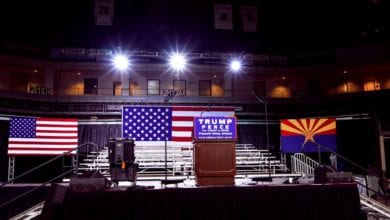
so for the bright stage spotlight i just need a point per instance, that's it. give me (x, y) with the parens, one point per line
(121, 62)
(177, 62)
(235, 65)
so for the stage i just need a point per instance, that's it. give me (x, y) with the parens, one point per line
(261, 201)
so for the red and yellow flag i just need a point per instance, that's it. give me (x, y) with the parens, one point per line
(304, 135)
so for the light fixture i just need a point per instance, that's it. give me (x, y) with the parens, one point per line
(235, 65)
(177, 62)
(121, 62)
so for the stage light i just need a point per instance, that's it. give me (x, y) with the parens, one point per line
(121, 62)
(235, 65)
(177, 61)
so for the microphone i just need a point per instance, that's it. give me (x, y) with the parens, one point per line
(259, 98)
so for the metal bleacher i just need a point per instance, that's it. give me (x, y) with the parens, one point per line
(154, 161)
(250, 160)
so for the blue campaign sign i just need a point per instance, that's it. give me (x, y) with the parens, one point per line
(215, 128)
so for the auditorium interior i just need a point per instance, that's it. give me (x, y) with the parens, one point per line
(305, 83)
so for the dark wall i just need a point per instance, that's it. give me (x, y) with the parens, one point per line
(4, 130)
(358, 140)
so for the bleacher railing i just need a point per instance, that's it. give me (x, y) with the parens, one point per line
(300, 163)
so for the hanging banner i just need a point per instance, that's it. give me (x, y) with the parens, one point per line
(223, 17)
(104, 12)
(249, 18)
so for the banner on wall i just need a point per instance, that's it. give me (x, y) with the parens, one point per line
(308, 135)
(104, 12)
(249, 18)
(223, 16)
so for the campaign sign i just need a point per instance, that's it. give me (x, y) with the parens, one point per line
(215, 128)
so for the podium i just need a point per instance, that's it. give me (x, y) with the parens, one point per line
(215, 162)
(214, 150)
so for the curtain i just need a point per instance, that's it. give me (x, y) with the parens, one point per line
(98, 135)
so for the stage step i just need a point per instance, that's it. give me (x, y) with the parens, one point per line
(32, 213)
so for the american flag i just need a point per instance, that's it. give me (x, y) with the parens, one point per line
(153, 125)
(42, 136)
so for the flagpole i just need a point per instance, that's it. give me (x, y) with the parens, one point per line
(267, 136)
(264, 101)
(319, 153)
(166, 160)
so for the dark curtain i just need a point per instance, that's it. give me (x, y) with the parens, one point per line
(257, 135)
(320, 202)
(357, 141)
(97, 134)
(4, 130)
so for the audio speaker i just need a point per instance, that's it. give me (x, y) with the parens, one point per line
(53, 202)
(320, 174)
(88, 181)
(121, 150)
(340, 177)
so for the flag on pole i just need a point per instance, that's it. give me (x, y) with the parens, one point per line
(223, 17)
(249, 18)
(104, 12)
(42, 136)
(153, 125)
(306, 134)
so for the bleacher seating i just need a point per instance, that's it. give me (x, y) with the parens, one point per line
(250, 160)
(178, 161)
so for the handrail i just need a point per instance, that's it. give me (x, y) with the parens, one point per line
(73, 169)
(47, 162)
(35, 168)
(35, 188)
(341, 156)
(348, 160)
(300, 160)
(382, 179)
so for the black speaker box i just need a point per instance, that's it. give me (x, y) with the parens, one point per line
(89, 180)
(340, 177)
(320, 174)
(121, 150)
(53, 202)
(89, 184)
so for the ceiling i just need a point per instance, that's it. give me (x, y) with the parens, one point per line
(282, 25)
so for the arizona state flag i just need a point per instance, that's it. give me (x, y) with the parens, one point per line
(308, 134)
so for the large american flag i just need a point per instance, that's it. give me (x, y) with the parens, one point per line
(153, 125)
(42, 136)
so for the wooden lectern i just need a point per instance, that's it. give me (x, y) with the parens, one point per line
(215, 162)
